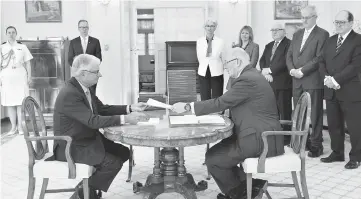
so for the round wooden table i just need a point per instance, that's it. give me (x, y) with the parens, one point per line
(169, 173)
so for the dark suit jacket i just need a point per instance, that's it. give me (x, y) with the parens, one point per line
(281, 77)
(75, 48)
(308, 58)
(344, 66)
(73, 117)
(252, 104)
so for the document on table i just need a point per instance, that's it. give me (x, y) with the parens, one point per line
(155, 103)
(196, 120)
(151, 121)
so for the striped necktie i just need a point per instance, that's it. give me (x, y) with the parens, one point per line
(274, 49)
(339, 43)
(88, 96)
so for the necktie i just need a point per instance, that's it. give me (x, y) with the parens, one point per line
(87, 94)
(209, 47)
(83, 43)
(274, 49)
(339, 43)
(304, 39)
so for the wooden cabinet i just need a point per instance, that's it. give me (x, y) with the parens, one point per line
(48, 70)
(182, 66)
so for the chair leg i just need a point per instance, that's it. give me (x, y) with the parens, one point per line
(249, 185)
(31, 187)
(131, 164)
(208, 174)
(86, 188)
(295, 182)
(268, 195)
(304, 184)
(43, 188)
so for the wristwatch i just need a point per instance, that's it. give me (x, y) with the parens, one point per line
(187, 107)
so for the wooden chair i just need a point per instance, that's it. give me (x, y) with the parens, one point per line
(36, 138)
(131, 163)
(293, 160)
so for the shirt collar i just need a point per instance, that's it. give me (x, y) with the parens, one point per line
(85, 89)
(345, 35)
(279, 41)
(86, 38)
(310, 30)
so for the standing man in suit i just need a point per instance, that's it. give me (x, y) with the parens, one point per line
(252, 104)
(79, 114)
(339, 69)
(210, 70)
(302, 60)
(274, 69)
(84, 44)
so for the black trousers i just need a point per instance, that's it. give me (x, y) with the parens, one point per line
(210, 87)
(115, 156)
(316, 113)
(337, 113)
(223, 158)
(284, 104)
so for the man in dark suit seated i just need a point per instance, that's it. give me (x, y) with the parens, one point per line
(252, 104)
(79, 114)
(84, 44)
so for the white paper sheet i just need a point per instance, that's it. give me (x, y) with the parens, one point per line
(151, 121)
(155, 103)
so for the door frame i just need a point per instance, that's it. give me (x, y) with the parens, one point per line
(134, 5)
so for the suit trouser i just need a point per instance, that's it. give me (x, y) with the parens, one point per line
(210, 87)
(284, 104)
(115, 156)
(222, 160)
(316, 113)
(337, 113)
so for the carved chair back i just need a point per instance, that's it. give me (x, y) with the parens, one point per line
(301, 121)
(33, 124)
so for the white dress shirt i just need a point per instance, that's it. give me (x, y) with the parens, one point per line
(305, 36)
(84, 42)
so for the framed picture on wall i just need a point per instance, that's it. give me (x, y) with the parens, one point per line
(291, 28)
(289, 9)
(38, 11)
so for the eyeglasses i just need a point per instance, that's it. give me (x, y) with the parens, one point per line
(340, 23)
(83, 27)
(94, 72)
(235, 59)
(210, 26)
(307, 18)
(277, 29)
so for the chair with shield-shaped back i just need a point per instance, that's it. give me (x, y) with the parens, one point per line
(37, 139)
(293, 160)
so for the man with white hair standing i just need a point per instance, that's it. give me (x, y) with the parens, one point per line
(210, 70)
(252, 104)
(79, 114)
(274, 68)
(303, 57)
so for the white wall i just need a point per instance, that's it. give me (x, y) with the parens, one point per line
(263, 17)
(13, 13)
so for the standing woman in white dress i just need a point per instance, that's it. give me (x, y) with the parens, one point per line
(15, 76)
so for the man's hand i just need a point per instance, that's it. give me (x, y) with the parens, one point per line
(138, 107)
(329, 83)
(179, 107)
(269, 78)
(135, 117)
(265, 71)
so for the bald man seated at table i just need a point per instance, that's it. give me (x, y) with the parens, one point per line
(253, 107)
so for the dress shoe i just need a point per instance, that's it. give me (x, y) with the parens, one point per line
(92, 193)
(223, 196)
(352, 164)
(333, 157)
(315, 152)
